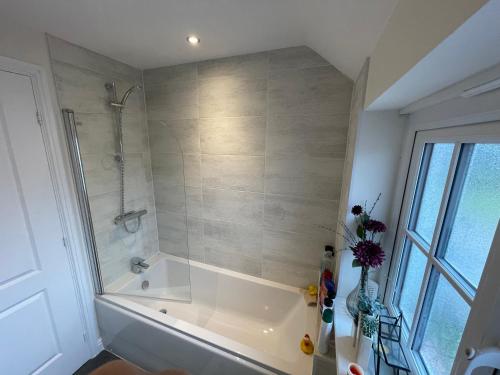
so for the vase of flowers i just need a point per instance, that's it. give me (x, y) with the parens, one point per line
(365, 246)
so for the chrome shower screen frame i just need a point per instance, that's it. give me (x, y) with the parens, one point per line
(83, 201)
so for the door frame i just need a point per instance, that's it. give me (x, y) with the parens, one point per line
(65, 194)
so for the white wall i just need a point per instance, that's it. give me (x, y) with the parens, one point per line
(415, 28)
(23, 44)
(376, 159)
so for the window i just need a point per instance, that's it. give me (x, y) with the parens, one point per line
(449, 217)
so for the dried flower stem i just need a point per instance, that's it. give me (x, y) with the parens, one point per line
(374, 203)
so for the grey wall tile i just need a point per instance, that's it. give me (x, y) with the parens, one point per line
(168, 170)
(301, 215)
(232, 96)
(173, 233)
(261, 141)
(248, 66)
(295, 248)
(137, 179)
(170, 198)
(174, 136)
(135, 133)
(177, 169)
(168, 74)
(104, 208)
(180, 235)
(101, 173)
(172, 101)
(233, 238)
(233, 135)
(235, 262)
(321, 90)
(295, 58)
(80, 90)
(291, 274)
(69, 53)
(196, 247)
(313, 135)
(235, 172)
(96, 133)
(313, 177)
(233, 206)
(178, 199)
(80, 76)
(194, 202)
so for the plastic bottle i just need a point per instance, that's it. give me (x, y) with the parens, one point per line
(325, 331)
(328, 259)
(327, 304)
(327, 267)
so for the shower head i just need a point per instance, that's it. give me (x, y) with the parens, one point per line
(120, 104)
(128, 92)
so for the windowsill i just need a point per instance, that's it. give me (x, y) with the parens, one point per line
(345, 352)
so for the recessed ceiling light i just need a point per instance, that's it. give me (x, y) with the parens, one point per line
(193, 40)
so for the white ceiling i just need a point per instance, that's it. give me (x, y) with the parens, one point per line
(471, 48)
(151, 33)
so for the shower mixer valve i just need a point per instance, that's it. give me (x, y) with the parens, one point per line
(138, 265)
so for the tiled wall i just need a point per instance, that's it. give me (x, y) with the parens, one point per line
(258, 144)
(80, 76)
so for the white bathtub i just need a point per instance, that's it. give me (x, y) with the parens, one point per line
(235, 324)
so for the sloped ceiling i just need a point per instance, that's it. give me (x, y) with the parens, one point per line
(151, 33)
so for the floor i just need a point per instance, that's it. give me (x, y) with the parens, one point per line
(99, 360)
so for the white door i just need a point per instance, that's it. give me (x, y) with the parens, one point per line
(41, 328)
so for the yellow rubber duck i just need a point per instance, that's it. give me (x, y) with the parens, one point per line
(312, 290)
(306, 345)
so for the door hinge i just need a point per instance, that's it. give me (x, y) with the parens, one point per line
(39, 118)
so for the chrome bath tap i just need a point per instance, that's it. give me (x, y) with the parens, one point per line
(138, 265)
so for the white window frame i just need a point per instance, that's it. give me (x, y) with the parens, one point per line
(417, 137)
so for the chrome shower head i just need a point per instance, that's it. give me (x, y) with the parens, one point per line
(120, 104)
(128, 92)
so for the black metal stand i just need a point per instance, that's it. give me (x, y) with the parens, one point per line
(388, 346)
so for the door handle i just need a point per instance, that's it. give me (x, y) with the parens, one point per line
(485, 357)
(470, 353)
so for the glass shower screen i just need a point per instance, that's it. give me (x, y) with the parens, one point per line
(120, 201)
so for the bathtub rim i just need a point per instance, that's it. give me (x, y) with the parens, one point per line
(115, 286)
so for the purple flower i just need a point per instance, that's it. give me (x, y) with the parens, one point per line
(369, 253)
(375, 226)
(357, 210)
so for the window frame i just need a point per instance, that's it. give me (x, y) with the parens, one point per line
(409, 192)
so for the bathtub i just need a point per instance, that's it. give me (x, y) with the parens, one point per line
(225, 323)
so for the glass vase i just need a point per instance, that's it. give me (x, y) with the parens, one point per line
(352, 300)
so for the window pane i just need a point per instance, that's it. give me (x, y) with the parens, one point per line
(434, 183)
(477, 214)
(412, 282)
(445, 325)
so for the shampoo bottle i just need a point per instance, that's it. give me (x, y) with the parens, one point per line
(325, 331)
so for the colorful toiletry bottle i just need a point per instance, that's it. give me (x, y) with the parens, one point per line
(327, 304)
(331, 297)
(328, 259)
(326, 283)
(325, 331)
